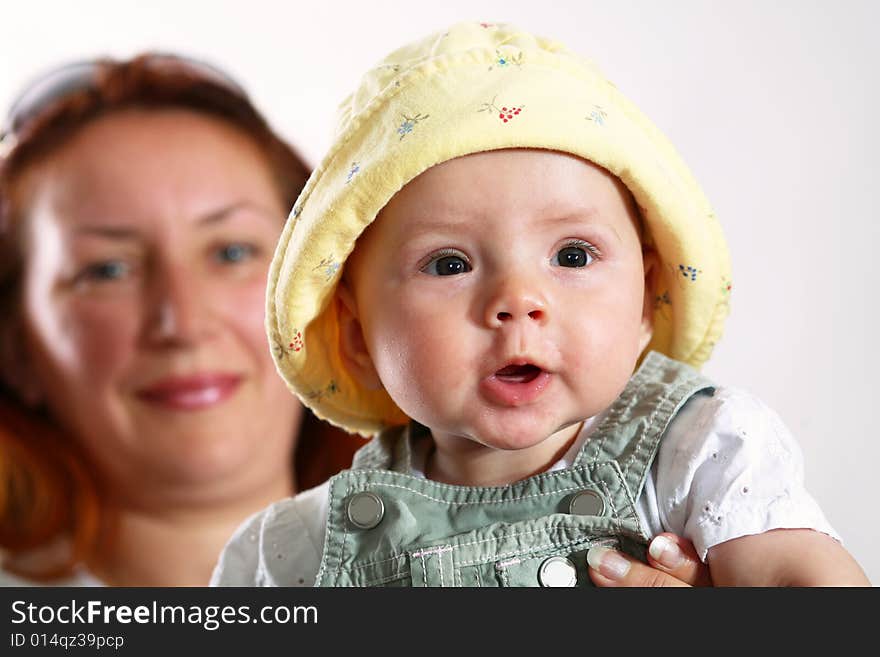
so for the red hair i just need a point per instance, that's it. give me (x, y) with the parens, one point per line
(48, 490)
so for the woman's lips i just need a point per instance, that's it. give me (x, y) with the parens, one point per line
(191, 393)
(515, 385)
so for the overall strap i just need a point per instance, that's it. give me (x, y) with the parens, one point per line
(631, 431)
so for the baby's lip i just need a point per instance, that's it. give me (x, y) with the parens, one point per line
(517, 383)
(518, 363)
(519, 373)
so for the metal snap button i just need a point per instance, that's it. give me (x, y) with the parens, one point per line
(557, 572)
(365, 510)
(587, 503)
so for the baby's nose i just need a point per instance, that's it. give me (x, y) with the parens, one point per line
(516, 302)
(504, 316)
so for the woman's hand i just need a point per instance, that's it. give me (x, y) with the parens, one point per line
(672, 562)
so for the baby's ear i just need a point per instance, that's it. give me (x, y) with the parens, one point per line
(352, 345)
(651, 263)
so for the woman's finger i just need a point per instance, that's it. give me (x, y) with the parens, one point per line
(677, 557)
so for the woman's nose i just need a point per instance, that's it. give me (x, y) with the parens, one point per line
(177, 309)
(516, 300)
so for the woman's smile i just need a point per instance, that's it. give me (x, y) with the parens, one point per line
(192, 392)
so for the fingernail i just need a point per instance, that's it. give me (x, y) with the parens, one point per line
(608, 562)
(666, 552)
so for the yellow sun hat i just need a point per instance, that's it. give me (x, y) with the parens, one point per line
(479, 87)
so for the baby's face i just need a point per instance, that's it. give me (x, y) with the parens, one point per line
(501, 296)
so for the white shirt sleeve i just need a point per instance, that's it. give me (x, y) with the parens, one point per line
(728, 467)
(278, 546)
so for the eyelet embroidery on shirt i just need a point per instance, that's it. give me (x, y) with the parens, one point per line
(709, 513)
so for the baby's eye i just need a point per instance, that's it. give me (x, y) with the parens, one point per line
(233, 253)
(574, 255)
(447, 264)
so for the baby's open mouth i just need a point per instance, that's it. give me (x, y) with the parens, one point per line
(518, 373)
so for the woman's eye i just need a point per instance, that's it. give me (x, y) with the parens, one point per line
(448, 265)
(110, 270)
(574, 256)
(232, 253)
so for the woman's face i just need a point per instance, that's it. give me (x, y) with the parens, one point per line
(146, 248)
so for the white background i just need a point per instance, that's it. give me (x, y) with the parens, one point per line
(773, 106)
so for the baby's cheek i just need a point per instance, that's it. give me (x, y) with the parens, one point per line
(403, 357)
(600, 350)
(415, 364)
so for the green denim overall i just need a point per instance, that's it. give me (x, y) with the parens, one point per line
(387, 527)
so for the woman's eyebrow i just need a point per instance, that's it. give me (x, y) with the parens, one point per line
(226, 211)
(213, 217)
(109, 232)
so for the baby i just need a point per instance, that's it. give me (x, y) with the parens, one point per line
(520, 245)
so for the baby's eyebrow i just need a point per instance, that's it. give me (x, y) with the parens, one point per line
(449, 221)
(587, 215)
(560, 212)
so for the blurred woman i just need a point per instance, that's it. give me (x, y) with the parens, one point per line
(141, 417)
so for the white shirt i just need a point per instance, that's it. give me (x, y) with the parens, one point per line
(727, 467)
